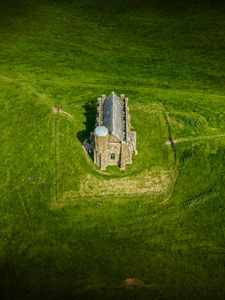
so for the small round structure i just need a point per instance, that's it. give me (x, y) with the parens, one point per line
(101, 131)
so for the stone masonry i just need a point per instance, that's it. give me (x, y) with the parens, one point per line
(113, 141)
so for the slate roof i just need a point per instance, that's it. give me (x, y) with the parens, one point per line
(113, 113)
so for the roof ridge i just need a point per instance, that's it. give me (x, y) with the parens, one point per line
(113, 106)
(113, 119)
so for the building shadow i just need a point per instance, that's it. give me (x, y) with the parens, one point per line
(90, 109)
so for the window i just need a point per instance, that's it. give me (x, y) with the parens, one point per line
(113, 156)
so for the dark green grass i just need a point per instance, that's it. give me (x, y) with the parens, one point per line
(163, 54)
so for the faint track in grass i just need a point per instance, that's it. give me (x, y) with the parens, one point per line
(42, 97)
(172, 144)
(23, 202)
(146, 89)
(8, 79)
(178, 90)
(56, 145)
(200, 138)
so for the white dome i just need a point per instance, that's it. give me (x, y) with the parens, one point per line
(101, 131)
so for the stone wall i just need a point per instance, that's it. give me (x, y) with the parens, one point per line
(114, 148)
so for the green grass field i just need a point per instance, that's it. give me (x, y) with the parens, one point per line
(64, 232)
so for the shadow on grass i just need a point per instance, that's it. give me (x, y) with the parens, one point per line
(90, 114)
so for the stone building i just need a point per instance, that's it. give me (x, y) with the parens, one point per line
(113, 141)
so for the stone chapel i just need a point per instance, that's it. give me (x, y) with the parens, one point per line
(113, 142)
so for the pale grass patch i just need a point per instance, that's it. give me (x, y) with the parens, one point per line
(145, 183)
(133, 282)
(150, 182)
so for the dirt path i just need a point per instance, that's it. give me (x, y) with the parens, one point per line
(57, 110)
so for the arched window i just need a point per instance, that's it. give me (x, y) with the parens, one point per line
(113, 156)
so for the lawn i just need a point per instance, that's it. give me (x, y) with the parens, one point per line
(67, 229)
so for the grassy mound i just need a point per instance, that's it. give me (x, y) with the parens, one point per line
(70, 231)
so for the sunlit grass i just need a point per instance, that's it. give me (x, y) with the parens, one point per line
(64, 238)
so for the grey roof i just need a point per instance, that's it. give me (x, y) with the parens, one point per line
(113, 116)
(101, 131)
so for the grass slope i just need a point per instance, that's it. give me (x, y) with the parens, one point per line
(61, 236)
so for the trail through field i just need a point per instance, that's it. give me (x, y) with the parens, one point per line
(217, 96)
(25, 83)
(196, 138)
(41, 97)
